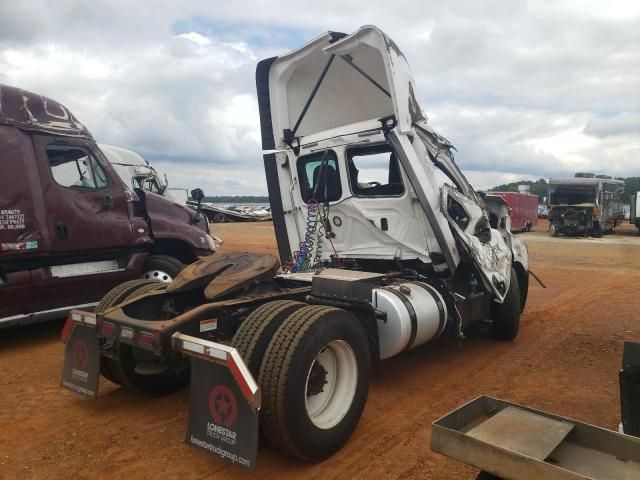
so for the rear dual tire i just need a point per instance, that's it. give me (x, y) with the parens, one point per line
(315, 380)
(256, 332)
(121, 370)
(113, 297)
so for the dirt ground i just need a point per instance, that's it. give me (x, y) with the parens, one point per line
(565, 360)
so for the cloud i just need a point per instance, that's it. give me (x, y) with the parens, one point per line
(531, 89)
(622, 124)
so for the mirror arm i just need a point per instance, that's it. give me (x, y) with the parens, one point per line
(196, 218)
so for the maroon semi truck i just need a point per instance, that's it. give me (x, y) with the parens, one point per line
(70, 229)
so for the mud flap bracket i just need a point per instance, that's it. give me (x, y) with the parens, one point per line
(224, 401)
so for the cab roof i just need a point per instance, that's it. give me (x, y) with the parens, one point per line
(30, 111)
(584, 181)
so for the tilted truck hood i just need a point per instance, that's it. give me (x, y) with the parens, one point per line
(334, 81)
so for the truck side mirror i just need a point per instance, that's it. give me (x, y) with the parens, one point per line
(197, 194)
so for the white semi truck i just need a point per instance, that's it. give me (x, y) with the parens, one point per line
(378, 255)
(634, 211)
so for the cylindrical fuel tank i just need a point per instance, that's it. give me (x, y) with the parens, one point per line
(415, 314)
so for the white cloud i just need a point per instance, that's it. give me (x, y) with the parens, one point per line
(523, 89)
(622, 124)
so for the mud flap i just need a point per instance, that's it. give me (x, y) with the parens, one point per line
(81, 371)
(630, 389)
(224, 402)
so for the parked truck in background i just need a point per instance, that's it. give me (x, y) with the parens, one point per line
(634, 211)
(70, 228)
(137, 172)
(587, 204)
(523, 208)
(378, 256)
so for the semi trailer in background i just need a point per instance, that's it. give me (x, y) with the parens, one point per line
(523, 208)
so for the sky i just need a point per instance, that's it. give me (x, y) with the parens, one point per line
(523, 89)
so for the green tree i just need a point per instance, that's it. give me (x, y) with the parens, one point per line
(539, 187)
(631, 186)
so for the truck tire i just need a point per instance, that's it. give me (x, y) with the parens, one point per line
(152, 287)
(161, 268)
(113, 297)
(487, 476)
(314, 381)
(110, 368)
(118, 293)
(123, 369)
(256, 331)
(506, 315)
(597, 230)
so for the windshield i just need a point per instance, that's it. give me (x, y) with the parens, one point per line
(572, 195)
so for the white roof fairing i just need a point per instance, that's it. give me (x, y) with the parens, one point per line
(581, 181)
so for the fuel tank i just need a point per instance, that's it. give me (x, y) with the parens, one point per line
(415, 314)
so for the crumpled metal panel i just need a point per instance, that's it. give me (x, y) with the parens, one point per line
(223, 274)
(30, 111)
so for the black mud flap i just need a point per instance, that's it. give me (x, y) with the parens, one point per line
(630, 389)
(81, 371)
(224, 403)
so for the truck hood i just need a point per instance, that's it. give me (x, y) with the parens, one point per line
(334, 81)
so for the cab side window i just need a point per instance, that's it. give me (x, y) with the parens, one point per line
(74, 167)
(374, 171)
(319, 177)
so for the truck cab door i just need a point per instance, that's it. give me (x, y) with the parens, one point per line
(86, 203)
(87, 222)
(23, 234)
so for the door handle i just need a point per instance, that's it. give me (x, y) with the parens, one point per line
(107, 203)
(62, 231)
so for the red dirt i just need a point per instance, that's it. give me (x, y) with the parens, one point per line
(565, 360)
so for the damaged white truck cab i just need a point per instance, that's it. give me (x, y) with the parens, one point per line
(342, 129)
(384, 247)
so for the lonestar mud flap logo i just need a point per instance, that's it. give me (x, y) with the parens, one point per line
(223, 408)
(220, 419)
(79, 371)
(81, 361)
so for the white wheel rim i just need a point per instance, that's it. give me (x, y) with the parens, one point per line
(157, 275)
(328, 407)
